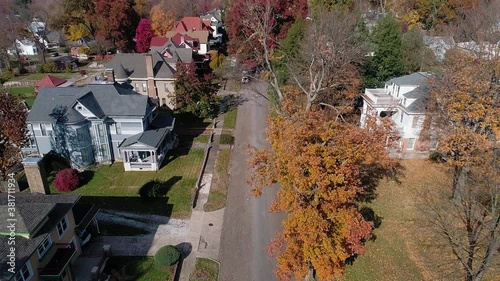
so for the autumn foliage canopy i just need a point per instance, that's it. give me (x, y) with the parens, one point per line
(324, 168)
(143, 36)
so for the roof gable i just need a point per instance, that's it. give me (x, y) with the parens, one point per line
(50, 81)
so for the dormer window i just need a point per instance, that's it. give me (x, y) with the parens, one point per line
(79, 107)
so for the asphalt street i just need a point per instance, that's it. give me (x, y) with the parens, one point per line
(248, 226)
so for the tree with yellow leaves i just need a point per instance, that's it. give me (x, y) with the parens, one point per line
(161, 21)
(465, 112)
(77, 31)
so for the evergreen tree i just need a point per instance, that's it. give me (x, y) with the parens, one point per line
(388, 60)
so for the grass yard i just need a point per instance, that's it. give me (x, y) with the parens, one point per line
(40, 76)
(202, 138)
(115, 229)
(405, 247)
(220, 182)
(186, 120)
(138, 269)
(113, 188)
(205, 270)
(230, 119)
(25, 93)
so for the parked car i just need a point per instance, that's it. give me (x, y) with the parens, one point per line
(56, 54)
(245, 77)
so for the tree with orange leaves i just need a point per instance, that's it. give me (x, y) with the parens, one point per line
(161, 22)
(324, 168)
(465, 112)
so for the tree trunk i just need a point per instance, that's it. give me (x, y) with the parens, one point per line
(459, 177)
(310, 276)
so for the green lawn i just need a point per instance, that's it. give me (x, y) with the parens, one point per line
(220, 182)
(25, 93)
(113, 188)
(138, 269)
(205, 270)
(230, 119)
(202, 138)
(115, 229)
(226, 139)
(40, 76)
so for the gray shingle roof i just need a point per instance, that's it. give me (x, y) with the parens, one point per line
(35, 205)
(414, 79)
(135, 66)
(88, 100)
(151, 138)
(420, 91)
(28, 216)
(101, 99)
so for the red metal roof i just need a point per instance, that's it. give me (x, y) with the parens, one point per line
(191, 23)
(50, 81)
(158, 41)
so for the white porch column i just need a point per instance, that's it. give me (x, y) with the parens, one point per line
(153, 155)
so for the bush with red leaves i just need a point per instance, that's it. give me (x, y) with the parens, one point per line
(67, 180)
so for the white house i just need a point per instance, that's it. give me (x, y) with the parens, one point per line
(214, 19)
(25, 47)
(404, 100)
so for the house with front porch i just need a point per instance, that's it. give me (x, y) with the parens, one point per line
(43, 237)
(404, 100)
(88, 125)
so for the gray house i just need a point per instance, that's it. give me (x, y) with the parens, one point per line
(92, 124)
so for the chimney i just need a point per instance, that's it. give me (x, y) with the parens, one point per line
(109, 74)
(150, 76)
(35, 174)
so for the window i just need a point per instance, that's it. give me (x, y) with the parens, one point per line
(62, 226)
(43, 129)
(104, 150)
(144, 87)
(31, 139)
(100, 129)
(79, 107)
(414, 122)
(401, 119)
(118, 128)
(44, 247)
(411, 143)
(163, 101)
(83, 152)
(25, 273)
(79, 134)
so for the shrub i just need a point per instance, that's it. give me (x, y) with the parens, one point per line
(167, 256)
(50, 67)
(39, 68)
(226, 139)
(436, 157)
(6, 76)
(67, 180)
(152, 189)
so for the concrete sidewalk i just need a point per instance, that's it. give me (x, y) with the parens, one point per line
(205, 228)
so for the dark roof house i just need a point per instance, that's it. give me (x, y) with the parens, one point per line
(37, 221)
